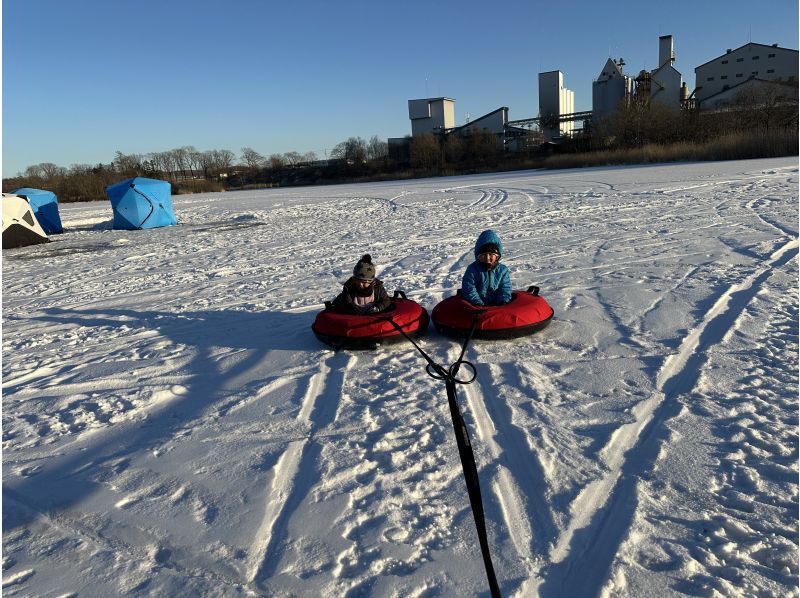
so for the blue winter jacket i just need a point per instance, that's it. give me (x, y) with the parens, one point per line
(481, 286)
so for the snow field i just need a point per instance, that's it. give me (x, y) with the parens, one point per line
(172, 427)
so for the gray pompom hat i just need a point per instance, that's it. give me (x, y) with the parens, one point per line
(365, 269)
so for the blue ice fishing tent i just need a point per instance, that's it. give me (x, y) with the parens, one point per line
(141, 203)
(44, 205)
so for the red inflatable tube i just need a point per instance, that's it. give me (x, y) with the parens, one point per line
(353, 331)
(525, 314)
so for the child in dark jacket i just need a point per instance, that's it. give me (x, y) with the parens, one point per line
(362, 293)
(487, 281)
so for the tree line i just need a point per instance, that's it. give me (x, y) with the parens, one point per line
(191, 170)
(754, 115)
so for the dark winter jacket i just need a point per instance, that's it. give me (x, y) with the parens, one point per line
(344, 301)
(482, 285)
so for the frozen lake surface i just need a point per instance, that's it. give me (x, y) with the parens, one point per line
(172, 427)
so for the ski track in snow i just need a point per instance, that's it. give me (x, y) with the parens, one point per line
(291, 479)
(675, 378)
(172, 427)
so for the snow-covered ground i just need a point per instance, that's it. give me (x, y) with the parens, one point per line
(172, 427)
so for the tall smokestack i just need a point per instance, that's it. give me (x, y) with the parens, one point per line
(665, 50)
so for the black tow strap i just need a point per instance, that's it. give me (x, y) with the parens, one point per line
(450, 377)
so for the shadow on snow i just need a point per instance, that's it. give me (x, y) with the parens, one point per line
(67, 479)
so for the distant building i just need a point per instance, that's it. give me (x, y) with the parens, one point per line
(664, 85)
(431, 115)
(611, 90)
(667, 81)
(555, 101)
(436, 116)
(494, 122)
(749, 67)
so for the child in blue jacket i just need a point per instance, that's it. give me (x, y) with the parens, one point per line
(487, 281)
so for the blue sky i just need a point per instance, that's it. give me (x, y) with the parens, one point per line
(83, 79)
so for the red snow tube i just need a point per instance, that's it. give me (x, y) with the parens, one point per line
(354, 331)
(525, 314)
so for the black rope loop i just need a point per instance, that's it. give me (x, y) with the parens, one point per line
(438, 372)
(453, 371)
(435, 370)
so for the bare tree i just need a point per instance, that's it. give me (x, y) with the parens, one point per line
(223, 159)
(377, 148)
(162, 163)
(354, 150)
(183, 160)
(252, 158)
(205, 162)
(765, 106)
(483, 147)
(45, 170)
(276, 161)
(128, 164)
(292, 158)
(85, 182)
(454, 149)
(425, 151)
(195, 159)
(174, 161)
(52, 171)
(179, 159)
(34, 171)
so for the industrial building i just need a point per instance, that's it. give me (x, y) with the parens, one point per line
(664, 86)
(718, 83)
(611, 91)
(432, 115)
(555, 101)
(495, 122)
(436, 116)
(750, 67)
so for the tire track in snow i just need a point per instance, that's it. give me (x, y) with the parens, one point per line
(499, 196)
(289, 482)
(490, 198)
(481, 201)
(602, 512)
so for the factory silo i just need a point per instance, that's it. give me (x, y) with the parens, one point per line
(611, 90)
(555, 101)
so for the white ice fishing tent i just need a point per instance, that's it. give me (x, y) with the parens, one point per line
(20, 226)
